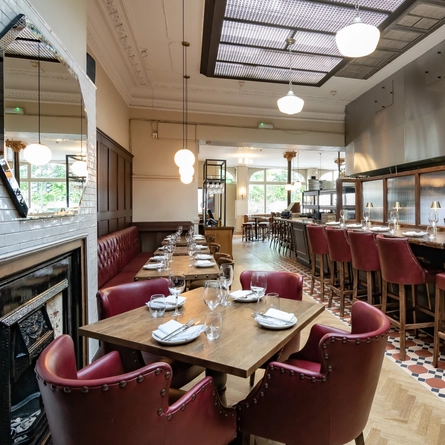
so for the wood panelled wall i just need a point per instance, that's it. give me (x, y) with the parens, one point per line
(114, 186)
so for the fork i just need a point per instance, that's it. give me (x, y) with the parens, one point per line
(179, 330)
(260, 314)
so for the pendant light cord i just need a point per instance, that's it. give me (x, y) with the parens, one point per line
(290, 68)
(38, 86)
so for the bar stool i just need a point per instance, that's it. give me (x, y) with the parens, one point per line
(400, 266)
(318, 245)
(439, 326)
(340, 255)
(247, 231)
(365, 257)
(263, 228)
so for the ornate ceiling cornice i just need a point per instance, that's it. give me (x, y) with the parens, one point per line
(32, 96)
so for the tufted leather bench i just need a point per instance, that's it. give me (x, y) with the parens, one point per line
(119, 257)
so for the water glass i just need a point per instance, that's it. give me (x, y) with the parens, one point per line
(176, 285)
(272, 300)
(431, 232)
(213, 325)
(157, 305)
(225, 277)
(212, 294)
(392, 227)
(258, 284)
(364, 225)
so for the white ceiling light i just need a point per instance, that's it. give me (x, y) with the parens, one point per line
(290, 104)
(358, 39)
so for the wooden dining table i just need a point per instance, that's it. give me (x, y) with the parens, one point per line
(241, 348)
(180, 264)
(182, 242)
(182, 251)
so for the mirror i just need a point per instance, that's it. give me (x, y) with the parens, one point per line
(42, 100)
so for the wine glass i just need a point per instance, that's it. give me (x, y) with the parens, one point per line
(226, 278)
(258, 284)
(343, 217)
(191, 250)
(176, 285)
(212, 294)
(366, 215)
(433, 218)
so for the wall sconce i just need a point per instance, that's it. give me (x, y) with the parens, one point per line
(242, 192)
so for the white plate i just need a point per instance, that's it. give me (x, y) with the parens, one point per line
(379, 229)
(414, 234)
(199, 236)
(205, 263)
(333, 223)
(171, 303)
(156, 258)
(173, 341)
(243, 296)
(353, 225)
(204, 256)
(151, 266)
(201, 247)
(263, 322)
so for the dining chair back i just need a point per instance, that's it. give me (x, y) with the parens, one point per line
(101, 404)
(322, 394)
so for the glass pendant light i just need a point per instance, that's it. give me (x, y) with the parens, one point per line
(38, 154)
(358, 39)
(290, 104)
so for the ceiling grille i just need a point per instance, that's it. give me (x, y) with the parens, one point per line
(246, 39)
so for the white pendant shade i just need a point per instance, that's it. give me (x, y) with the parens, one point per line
(290, 104)
(79, 168)
(37, 154)
(186, 179)
(184, 157)
(186, 170)
(357, 39)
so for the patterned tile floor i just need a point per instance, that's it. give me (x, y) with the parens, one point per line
(419, 349)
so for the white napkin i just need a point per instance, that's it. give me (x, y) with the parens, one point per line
(198, 236)
(421, 233)
(279, 315)
(156, 258)
(171, 300)
(333, 223)
(161, 248)
(164, 329)
(150, 266)
(353, 225)
(242, 294)
(204, 263)
(201, 247)
(203, 256)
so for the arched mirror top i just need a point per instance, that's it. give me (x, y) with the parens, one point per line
(42, 103)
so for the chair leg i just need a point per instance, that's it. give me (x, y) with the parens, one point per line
(439, 319)
(342, 289)
(313, 259)
(355, 284)
(322, 277)
(369, 286)
(360, 440)
(402, 303)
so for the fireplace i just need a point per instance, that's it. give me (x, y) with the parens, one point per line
(37, 303)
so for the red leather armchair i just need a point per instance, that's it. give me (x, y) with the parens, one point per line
(115, 300)
(287, 285)
(322, 395)
(102, 405)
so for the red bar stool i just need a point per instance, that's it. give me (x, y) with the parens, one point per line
(400, 266)
(439, 327)
(318, 245)
(340, 254)
(365, 257)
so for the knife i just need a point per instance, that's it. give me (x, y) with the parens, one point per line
(179, 330)
(273, 318)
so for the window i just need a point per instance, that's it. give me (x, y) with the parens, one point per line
(267, 191)
(44, 187)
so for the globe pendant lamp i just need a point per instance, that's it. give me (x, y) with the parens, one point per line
(38, 154)
(358, 39)
(290, 104)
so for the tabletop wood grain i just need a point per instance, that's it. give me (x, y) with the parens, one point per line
(182, 250)
(242, 347)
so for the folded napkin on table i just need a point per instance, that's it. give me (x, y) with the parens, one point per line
(151, 266)
(421, 233)
(198, 236)
(203, 256)
(164, 329)
(242, 294)
(201, 247)
(204, 263)
(280, 317)
(171, 300)
(156, 258)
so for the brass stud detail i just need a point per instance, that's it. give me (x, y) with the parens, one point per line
(344, 340)
(324, 345)
(272, 367)
(269, 376)
(194, 397)
(163, 392)
(168, 374)
(169, 416)
(357, 342)
(140, 378)
(368, 340)
(262, 394)
(53, 387)
(183, 407)
(67, 389)
(282, 370)
(157, 371)
(84, 389)
(323, 379)
(266, 385)
(302, 376)
(104, 387)
(329, 368)
(160, 411)
(333, 339)
(247, 405)
(292, 372)
(313, 379)
(45, 382)
(122, 384)
(326, 356)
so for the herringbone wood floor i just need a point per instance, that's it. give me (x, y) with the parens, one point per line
(404, 412)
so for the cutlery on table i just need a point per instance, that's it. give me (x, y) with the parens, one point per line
(260, 314)
(180, 330)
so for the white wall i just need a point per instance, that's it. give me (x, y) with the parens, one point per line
(68, 20)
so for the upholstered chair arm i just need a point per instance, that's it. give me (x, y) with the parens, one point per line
(202, 408)
(311, 350)
(106, 366)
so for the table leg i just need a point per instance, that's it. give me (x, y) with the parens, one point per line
(220, 380)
